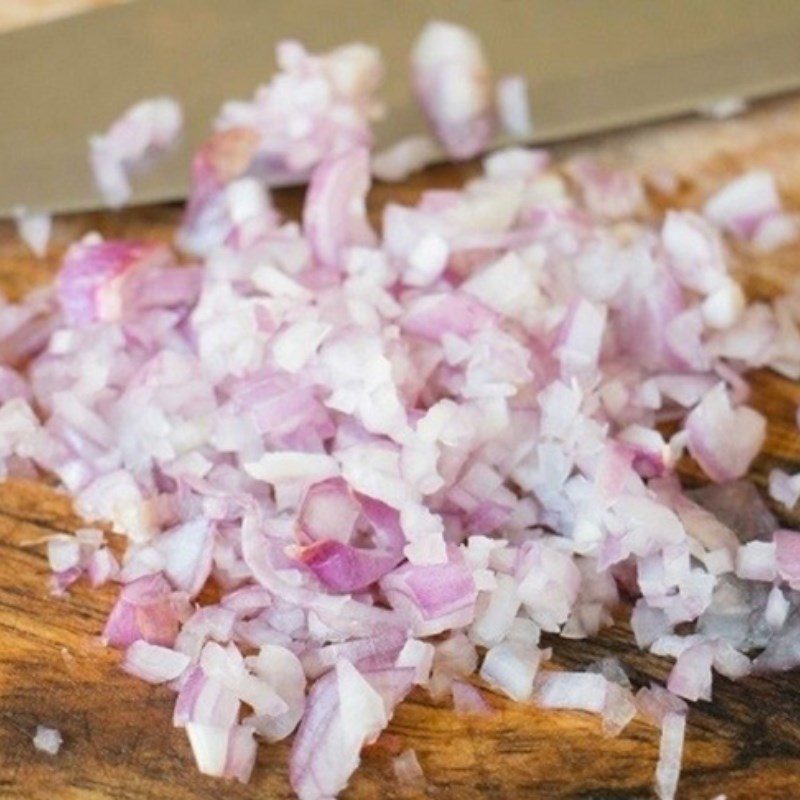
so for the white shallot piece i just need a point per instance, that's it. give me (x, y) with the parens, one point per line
(147, 128)
(348, 461)
(407, 769)
(48, 740)
(723, 107)
(751, 209)
(34, 229)
(514, 106)
(402, 159)
(453, 82)
(784, 488)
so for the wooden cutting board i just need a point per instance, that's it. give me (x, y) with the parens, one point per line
(118, 740)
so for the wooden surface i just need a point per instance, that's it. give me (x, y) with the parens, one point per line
(118, 739)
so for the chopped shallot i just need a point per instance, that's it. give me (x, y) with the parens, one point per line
(670, 754)
(784, 488)
(583, 691)
(469, 700)
(316, 107)
(722, 456)
(404, 158)
(453, 83)
(48, 740)
(724, 107)
(750, 208)
(145, 129)
(351, 461)
(512, 667)
(34, 229)
(513, 106)
(153, 663)
(407, 768)
(223, 752)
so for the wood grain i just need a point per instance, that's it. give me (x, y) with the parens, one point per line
(118, 739)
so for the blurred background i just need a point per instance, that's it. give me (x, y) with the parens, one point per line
(15, 13)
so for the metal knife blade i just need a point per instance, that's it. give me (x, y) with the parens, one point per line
(591, 65)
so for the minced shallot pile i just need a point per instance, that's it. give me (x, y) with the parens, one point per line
(402, 456)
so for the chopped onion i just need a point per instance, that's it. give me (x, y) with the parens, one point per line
(335, 212)
(317, 106)
(784, 488)
(511, 667)
(153, 663)
(283, 672)
(777, 609)
(345, 711)
(468, 700)
(756, 561)
(582, 691)
(97, 279)
(782, 651)
(608, 193)
(223, 752)
(724, 107)
(750, 208)
(419, 656)
(787, 556)
(655, 702)
(434, 598)
(48, 740)
(34, 229)
(619, 709)
(670, 754)
(722, 456)
(409, 155)
(63, 553)
(454, 659)
(513, 106)
(146, 128)
(407, 768)
(325, 445)
(452, 80)
(146, 609)
(691, 676)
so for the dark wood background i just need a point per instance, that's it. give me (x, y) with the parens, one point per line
(118, 740)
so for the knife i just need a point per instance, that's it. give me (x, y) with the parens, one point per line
(591, 65)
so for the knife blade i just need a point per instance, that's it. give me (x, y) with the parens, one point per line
(591, 65)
